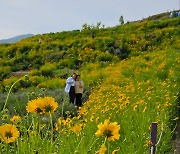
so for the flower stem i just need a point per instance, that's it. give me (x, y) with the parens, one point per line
(108, 147)
(7, 147)
(62, 108)
(79, 142)
(9, 93)
(105, 140)
(92, 145)
(51, 123)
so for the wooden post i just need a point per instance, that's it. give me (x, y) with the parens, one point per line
(153, 137)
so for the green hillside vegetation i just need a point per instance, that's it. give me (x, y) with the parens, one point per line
(93, 44)
(131, 74)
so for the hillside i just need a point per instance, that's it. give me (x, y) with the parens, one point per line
(16, 38)
(49, 54)
(131, 75)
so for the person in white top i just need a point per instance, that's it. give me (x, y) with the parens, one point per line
(70, 88)
(79, 89)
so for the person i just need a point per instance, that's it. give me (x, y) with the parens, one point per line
(179, 14)
(79, 89)
(70, 87)
(171, 15)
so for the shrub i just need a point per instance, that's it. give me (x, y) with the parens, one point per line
(63, 63)
(55, 56)
(25, 83)
(4, 72)
(105, 57)
(47, 70)
(36, 80)
(7, 83)
(62, 73)
(103, 44)
(24, 49)
(52, 83)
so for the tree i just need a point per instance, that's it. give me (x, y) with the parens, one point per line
(121, 20)
(98, 25)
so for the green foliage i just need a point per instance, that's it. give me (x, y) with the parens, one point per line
(103, 44)
(4, 71)
(25, 83)
(47, 70)
(74, 49)
(104, 57)
(55, 56)
(133, 87)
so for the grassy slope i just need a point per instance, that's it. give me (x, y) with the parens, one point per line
(60, 52)
(133, 92)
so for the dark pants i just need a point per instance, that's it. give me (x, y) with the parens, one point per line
(72, 94)
(78, 99)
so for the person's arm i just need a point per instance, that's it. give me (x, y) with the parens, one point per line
(70, 80)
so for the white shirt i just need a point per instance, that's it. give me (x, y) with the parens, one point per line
(69, 82)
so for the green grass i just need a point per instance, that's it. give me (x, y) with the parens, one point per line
(135, 88)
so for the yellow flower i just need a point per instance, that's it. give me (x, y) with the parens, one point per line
(148, 143)
(34, 106)
(109, 130)
(102, 149)
(42, 126)
(91, 118)
(135, 107)
(15, 118)
(97, 119)
(77, 128)
(49, 105)
(158, 107)
(42, 105)
(8, 133)
(145, 108)
(32, 133)
(59, 121)
(56, 127)
(82, 111)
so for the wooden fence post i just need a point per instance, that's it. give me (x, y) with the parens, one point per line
(153, 137)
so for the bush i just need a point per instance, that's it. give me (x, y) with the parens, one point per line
(53, 83)
(105, 57)
(55, 57)
(63, 73)
(25, 83)
(36, 80)
(4, 72)
(25, 48)
(103, 44)
(63, 63)
(73, 63)
(47, 70)
(7, 83)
